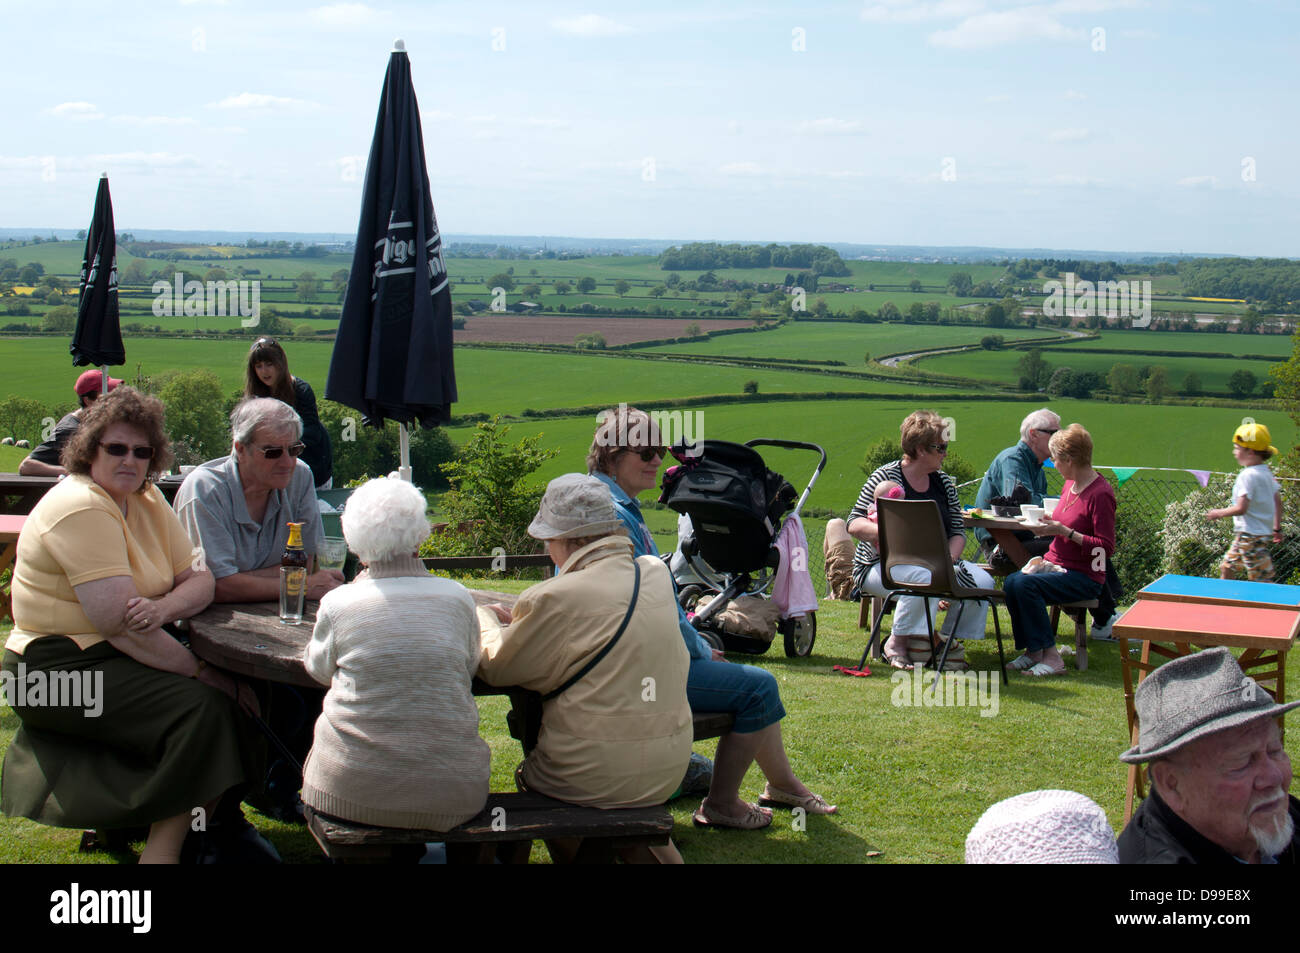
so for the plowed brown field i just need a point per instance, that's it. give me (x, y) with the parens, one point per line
(552, 329)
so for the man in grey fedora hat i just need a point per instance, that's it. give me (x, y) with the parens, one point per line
(1219, 775)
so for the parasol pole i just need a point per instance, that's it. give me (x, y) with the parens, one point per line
(404, 469)
(103, 368)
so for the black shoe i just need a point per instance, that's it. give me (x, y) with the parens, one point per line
(232, 842)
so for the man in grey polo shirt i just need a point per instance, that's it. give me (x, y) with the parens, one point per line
(237, 508)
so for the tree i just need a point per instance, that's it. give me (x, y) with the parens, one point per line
(621, 287)
(562, 288)
(693, 330)
(1123, 379)
(307, 285)
(1192, 385)
(991, 342)
(62, 318)
(658, 291)
(339, 280)
(1157, 385)
(501, 280)
(595, 342)
(196, 414)
(995, 316)
(20, 418)
(889, 312)
(587, 285)
(914, 285)
(1242, 383)
(492, 501)
(532, 292)
(1033, 368)
(751, 387)
(960, 284)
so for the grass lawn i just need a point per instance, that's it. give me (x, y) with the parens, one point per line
(1276, 345)
(909, 781)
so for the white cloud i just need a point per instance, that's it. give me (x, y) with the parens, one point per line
(77, 111)
(733, 127)
(148, 160)
(997, 98)
(1008, 26)
(830, 127)
(910, 11)
(548, 123)
(263, 101)
(344, 16)
(155, 120)
(741, 168)
(590, 24)
(1067, 135)
(1075, 96)
(1195, 181)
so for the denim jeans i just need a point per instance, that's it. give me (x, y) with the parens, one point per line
(749, 693)
(1029, 595)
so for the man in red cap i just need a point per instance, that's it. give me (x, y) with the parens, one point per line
(44, 460)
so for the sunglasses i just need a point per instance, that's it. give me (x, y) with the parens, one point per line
(274, 453)
(1048, 432)
(265, 342)
(649, 453)
(939, 447)
(121, 450)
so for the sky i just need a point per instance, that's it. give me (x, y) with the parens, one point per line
(1124, 125)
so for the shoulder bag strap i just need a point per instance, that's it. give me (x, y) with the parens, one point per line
(622, 626)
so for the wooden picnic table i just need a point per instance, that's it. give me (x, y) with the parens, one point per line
(1003, 529)
(250, 640)
(1179, 617)
(19, 494)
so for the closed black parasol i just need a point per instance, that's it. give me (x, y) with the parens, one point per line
(98, 338)
(392, 357)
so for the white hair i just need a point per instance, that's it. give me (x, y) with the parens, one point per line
(384, 519)
(275, 415)
(1040, 419)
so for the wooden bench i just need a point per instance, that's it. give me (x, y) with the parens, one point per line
(504, 830)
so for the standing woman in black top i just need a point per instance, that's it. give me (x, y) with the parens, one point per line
(268, 376)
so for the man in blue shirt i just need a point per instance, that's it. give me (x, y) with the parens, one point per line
(1023, 464)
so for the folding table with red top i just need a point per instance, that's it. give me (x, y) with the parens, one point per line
(1178, 615)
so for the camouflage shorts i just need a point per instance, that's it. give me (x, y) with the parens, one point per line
(1251, 554)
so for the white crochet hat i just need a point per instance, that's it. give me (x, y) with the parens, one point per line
(575, 505)
(1043, 827)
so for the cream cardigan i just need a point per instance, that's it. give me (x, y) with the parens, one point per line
(397, 741)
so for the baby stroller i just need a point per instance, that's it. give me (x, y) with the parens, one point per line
(736, 507)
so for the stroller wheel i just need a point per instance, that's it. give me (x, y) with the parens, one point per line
(713, 638)
(800, 634)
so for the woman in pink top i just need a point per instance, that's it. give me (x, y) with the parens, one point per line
(1084, 526)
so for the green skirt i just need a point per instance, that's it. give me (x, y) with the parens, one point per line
(113, 743)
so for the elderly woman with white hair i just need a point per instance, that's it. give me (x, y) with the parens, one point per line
(397, 743)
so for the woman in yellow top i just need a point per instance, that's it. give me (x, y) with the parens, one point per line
(121, 725)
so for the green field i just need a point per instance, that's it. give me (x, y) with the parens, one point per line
(824, 340)
(1278, 345)
(1000, 366)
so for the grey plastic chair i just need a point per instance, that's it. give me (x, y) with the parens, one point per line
(912, 533)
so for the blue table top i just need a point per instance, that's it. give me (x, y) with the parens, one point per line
(1234, 590)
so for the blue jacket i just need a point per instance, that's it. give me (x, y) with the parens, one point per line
(629, 511)
(1016, 463)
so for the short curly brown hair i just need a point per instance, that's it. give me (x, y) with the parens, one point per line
(125, 405)
(919, 430)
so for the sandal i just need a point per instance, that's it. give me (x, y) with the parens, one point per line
(899, 661)
(1042, 669)
(752, 820)
(1021, 663)
(812, 803)
(919, 649)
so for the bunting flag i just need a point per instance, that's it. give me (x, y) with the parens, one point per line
(1202, 477)
(1123, 473)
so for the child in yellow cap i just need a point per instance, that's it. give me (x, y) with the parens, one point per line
(1257, 506)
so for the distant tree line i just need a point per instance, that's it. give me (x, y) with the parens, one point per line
(1274, 281)
(705, 256)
